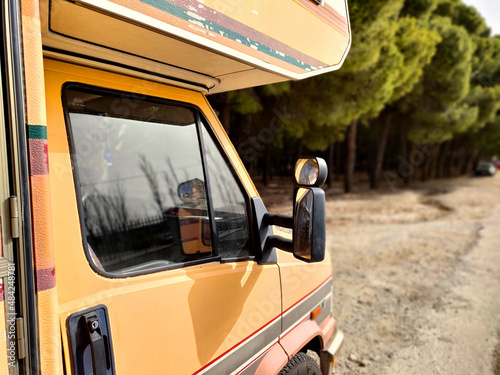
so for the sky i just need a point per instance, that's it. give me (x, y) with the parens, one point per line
(490, 10)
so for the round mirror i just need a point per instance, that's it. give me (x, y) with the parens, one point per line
(310, 172)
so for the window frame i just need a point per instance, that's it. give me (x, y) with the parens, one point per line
(200, 121)
(251, 230)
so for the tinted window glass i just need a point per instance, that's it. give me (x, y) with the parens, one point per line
(141, 181)
(229, 205)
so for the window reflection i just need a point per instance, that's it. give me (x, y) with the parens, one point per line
(129, 172)
(230, 210)
(143, 187)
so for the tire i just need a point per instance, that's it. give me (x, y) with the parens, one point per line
(301, 364)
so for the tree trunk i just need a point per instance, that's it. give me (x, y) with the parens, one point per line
(467, 165)
(462, 159)
(338, 164)
(434, 159)
(380, 152)
(475, 159)
(425, 169)
(411, 175)
(351, 156)
(445, 152)
(448, 167)
(403, 148)
(265, 172)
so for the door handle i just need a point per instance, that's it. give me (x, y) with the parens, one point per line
(96, 341)
(90, 342)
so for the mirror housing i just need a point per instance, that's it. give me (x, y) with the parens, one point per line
(309, 224)
(309, 216)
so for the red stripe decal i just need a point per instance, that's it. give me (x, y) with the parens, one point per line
(45, 279)
(39, 157)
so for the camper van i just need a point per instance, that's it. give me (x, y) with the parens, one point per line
(133, 240)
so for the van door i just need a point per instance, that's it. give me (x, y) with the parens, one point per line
(152, 232)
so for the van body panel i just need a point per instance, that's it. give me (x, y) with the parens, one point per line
(239, 45)
(271, 362)
(210, 317)
(301, 279)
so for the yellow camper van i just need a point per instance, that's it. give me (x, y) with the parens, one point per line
(133, 241)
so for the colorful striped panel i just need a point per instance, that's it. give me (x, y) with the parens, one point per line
(218, 23)
(48, 319)
(198, 18)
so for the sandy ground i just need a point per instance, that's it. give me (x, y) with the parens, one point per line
(416, 276)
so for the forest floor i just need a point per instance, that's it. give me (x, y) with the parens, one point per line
(416, 274)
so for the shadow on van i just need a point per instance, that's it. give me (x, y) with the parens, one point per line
(221, 306)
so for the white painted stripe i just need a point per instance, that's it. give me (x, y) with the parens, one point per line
(302, 319)
(242, 367)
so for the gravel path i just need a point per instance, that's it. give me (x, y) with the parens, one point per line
(417, 277)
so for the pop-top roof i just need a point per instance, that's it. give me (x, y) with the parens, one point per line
(217, 45)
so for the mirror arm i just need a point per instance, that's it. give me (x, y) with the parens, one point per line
(285, 221)
(280, 243)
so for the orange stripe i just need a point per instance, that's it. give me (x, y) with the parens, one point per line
(49, 333)
(33, 63)
(44, 257)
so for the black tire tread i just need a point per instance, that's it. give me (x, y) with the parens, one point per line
(301, 364)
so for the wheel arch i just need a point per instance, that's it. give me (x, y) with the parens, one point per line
(307, 335)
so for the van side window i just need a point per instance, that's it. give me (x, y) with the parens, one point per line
(141, 182)
(228, 201)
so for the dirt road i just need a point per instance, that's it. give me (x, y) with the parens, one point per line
(417, 277)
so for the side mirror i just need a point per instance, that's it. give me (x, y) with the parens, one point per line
(309, 214)
(309, 218)
(309, 225)
(190, 192)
